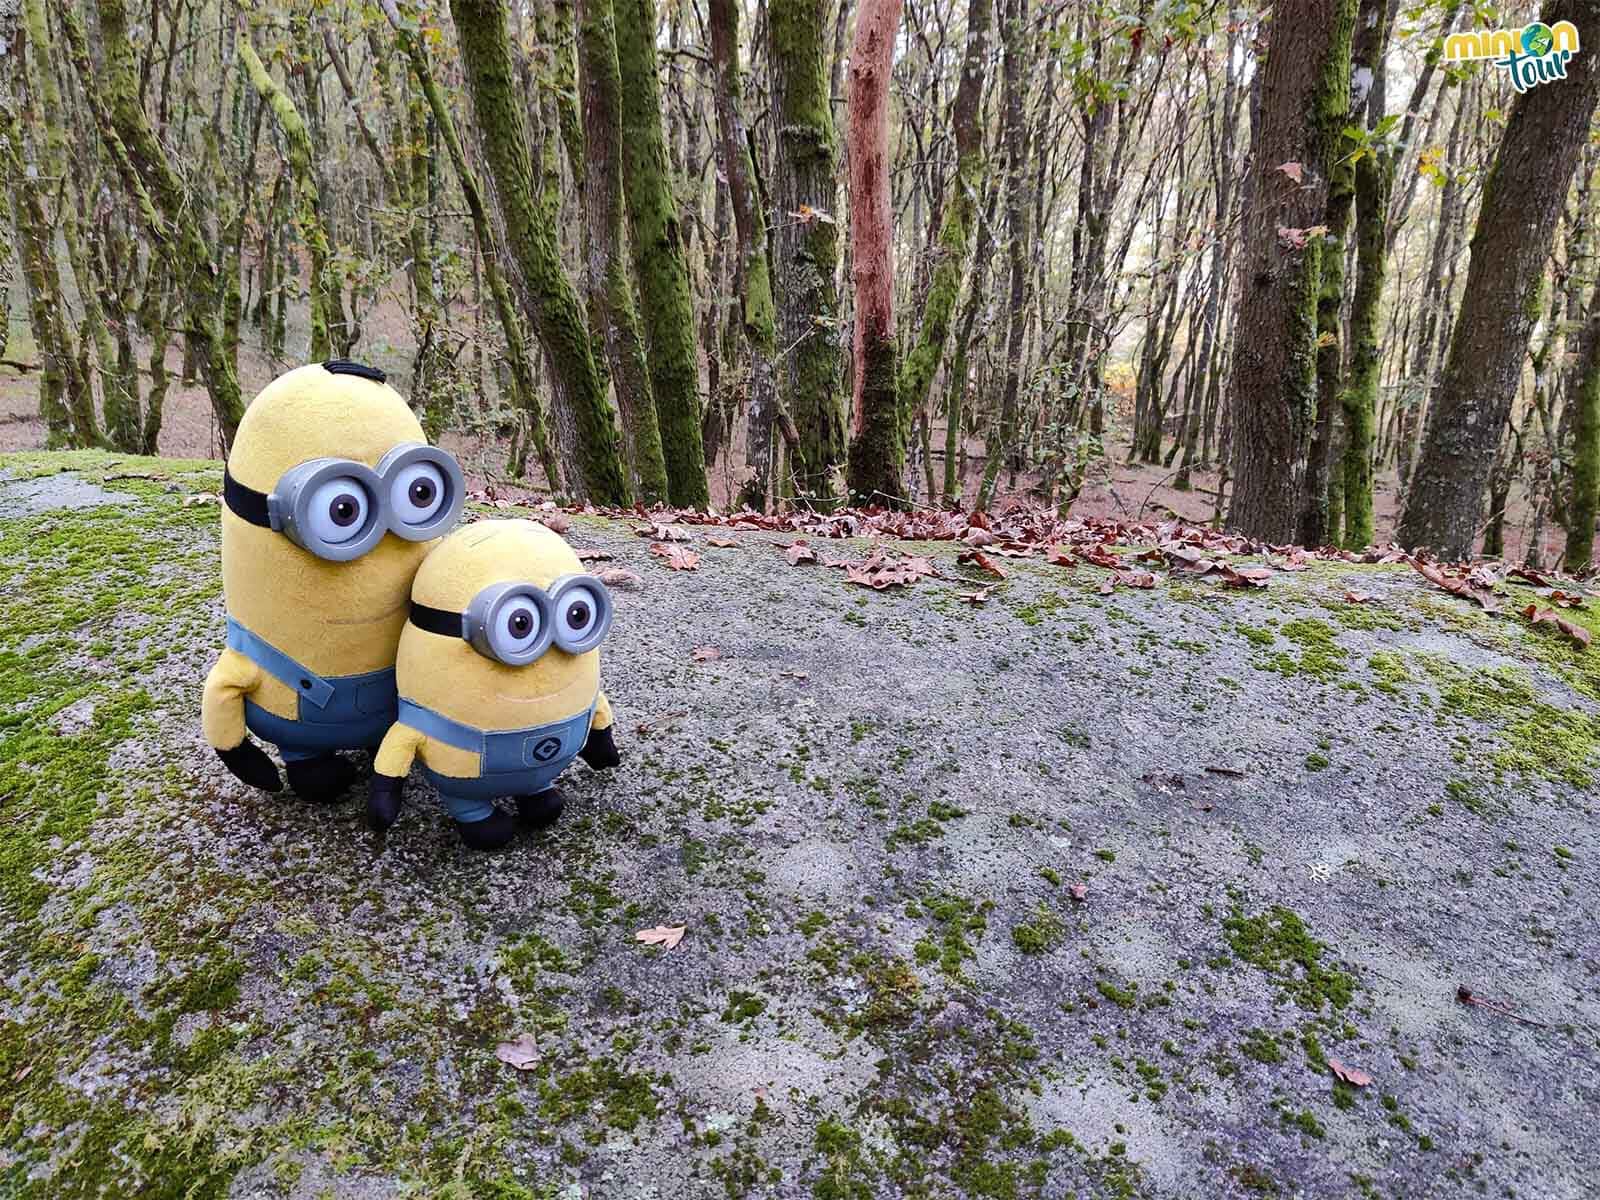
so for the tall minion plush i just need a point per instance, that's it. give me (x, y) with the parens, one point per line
(499, 675)
(331, 499)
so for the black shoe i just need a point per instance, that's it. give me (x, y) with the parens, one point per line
(600, 749)
(543, 810)
(249, 763)
(384, 794)
(322, 779)
(491, 833)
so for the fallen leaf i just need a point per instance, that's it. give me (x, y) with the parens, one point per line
(799, 552)
(199, 498)
(721, 543)
(1359, 597)
(1348, 1075)
(1059, 556)
(979, 559)
(976, 598)
(663, 533)
(619, 577)
(1138, 579)
(1293, 170)
(1244, 576)
(1107, 587)
(1548, 616)
(705, 653)
(1537, 578)
(595, 556)
(521, 1053)
(677, 558)
(1079, 892)
(556, 522)
(665, 936)
(976, 536)
(1565, 599)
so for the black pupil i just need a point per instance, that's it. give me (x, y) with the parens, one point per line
(521, 624)
(344, 509)
(422, 492)
(578, 615)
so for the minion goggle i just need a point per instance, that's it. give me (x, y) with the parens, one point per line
(339, 510)
(515, 623)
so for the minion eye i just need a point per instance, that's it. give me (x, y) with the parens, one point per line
(578, 612)
(516, 627)
(338, 510)
(417, 493)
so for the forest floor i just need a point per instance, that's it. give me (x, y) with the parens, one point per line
(1115, 489)
(1064, 893)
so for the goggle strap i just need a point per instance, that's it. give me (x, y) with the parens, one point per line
(436, 620)
(245, 502)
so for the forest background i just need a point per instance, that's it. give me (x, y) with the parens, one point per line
(1281, 267)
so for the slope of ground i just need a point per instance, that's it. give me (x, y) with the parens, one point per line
(1061, 894)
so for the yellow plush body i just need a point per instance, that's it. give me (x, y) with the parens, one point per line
(337, 618)
(448, 676)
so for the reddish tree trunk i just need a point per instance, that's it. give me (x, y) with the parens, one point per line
(878, 436)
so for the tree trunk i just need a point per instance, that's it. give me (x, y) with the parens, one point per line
(1521, 198)
(806, 251)
(1305, 96)
(878, 430)
(957, 220)
(1584, 504)
(1015, 42)
(753, 267)
(658, 257)
(609, 288)
(546, 292)
(955, 416)
(1374, 178)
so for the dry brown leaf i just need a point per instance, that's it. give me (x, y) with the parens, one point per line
(1107, 587)
(799, 552)
(1348, 1075)
(1548, 616)
(619, 577)
(721, 543)
(1138, 579)
(976, 536)
(979, 559)
(521, 1052)
(705, 653)
(976, 598)
(663, 533)
(1059, 557)
(595, 556)
(1079, 892)
(665, 936)
(677, 558)
(1565, 599)
(199, 498)
(1293, 170)
(556, 522)
(1359, 597)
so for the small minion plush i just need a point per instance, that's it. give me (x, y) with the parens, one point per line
(499, 675)
(331, 499)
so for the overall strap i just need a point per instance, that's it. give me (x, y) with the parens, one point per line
(305, 683)
(440, 727)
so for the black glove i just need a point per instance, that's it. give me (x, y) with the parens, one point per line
(249, 763)
(383, 801)
(600, 750)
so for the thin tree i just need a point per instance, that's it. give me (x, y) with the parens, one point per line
(1522, 197)
(878, 442)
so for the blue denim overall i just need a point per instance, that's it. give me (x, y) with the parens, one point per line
(515, 762)
(342, 712)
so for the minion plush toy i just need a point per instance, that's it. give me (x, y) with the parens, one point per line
(499, 675)
(331, 498)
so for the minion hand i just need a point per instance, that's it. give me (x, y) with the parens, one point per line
(600, 751)
(383, 801)
(249, 763)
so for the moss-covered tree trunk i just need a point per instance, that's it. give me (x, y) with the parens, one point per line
(955, 411)
(1374, 170)
(165, 203)
(958, 219)
(1016, 40)
(530, 237)
(1522, 197)
(658, 256)
(806, 245)
(1584, 504)
(753, 266)
(1305, 98)
(325, 299)
(878, 430)
(612, 312)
